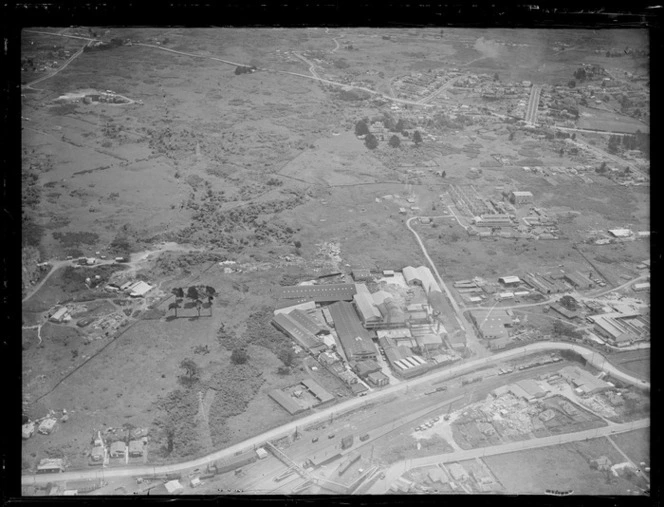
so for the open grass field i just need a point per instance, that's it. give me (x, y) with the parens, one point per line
(636, 362)
(636, 444)
(544, 472)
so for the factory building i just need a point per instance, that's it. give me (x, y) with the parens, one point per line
(354, 339)
(520, 197)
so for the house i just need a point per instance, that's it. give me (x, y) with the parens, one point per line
(135, 448)
(421, 276)
(388, 272)
(50, 465)
(47, 426)
(358, 388)
(639, 287)
(28, 430)
(457, 472)
(118, 449)
(97, 454)
(314, 388)
(378, 378)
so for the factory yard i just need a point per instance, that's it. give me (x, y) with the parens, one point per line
(339, 224)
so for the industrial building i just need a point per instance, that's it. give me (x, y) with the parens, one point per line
(288, 305)
(365, 305)
(355, 340)
(429, 343)
(577, 280)
(569, 314)
(378, 378)
(421, 276)
(326, 293)
(521, 197)
(60, 315)
(493, 220)
(621, 329)
(583, 381)
(291, 327)
(392, 315)
(620, 233)
(365, 368)
(492, 324)
(308, 323)
(510, 281)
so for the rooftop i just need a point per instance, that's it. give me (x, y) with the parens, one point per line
(319, 293)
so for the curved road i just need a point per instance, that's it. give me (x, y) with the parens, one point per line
(594, 358)
(397, 469)
(71, 59)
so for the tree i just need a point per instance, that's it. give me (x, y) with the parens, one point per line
(574, 136)
(571, 83)
(177, 292)
(210, 291)
(239, 356)
(580, 74)
(444, 173)
(496, 77)
(199, 305)
(298, 244)
(561, 152)
(395, 142)
(190, 367)
(512, 134)
(601, 169)
(361, 128)
(399, 126)
(286, 355)
(192, 293)
(174, 306)
(614, 142)
(371, 142)
(417, 138)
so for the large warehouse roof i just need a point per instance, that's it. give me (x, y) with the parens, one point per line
(365, 304)
(319, 293)
(297, 332)
(421, 275)
(306, 322)
(354, 338)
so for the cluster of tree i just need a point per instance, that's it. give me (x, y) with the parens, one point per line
(74, 239)
(638, 141)
(196, 294)
(243, 69)
(560, 329)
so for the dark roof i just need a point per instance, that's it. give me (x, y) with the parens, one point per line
(293, 329)
(306, 322)
(317, 390)
(365, 367)
(377, 376)
(319, 293)
(285, 303)
(358, 388)
(354, 338)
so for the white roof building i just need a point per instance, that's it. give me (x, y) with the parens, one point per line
(620, 233)
(140, 289)
(173, 486)
(509, 279)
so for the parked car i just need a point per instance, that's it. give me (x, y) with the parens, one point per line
(331, 435)
(314, 440)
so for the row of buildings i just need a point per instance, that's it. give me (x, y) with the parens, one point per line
(364, 324)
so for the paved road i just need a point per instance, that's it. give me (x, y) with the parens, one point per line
(64, 35)
(439, 91)
(594, 358)
(397, 469)
(472, 341)
(533, 104)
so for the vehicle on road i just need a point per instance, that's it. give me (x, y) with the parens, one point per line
(314, 440)
(331, 435)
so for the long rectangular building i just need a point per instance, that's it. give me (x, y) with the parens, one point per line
(302, 336)
(365, 305)
(327, 293)
(355, 340)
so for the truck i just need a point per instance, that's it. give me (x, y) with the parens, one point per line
(347, 441)
(121, 259)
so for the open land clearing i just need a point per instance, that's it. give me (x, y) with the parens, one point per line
(146, 171)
